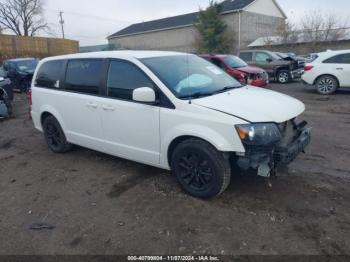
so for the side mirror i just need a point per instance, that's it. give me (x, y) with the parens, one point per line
(2, 79)
(144, 95)
(269, 60)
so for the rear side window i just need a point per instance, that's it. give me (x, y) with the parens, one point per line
(49, 74)
(338, 59)
(123, 78)
(246, 56)
(83, 76)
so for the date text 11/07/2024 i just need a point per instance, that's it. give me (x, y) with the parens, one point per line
(174, 258)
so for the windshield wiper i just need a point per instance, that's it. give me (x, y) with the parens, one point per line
(201, 94)
(195, 95)
(225, 89)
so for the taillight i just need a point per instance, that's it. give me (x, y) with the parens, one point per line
(29, 96)
(308, 67)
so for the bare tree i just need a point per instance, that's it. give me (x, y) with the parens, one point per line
(22, 17)
(288, 32)
(317, 27)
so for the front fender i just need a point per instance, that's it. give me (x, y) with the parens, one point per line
(226, 141)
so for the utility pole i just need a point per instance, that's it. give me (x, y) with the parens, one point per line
(62, 23)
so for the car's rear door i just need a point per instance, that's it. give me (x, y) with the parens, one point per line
(131, 129)
(247, 57)
(339, 66)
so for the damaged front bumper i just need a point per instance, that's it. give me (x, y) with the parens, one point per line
(286, 155)
(264, 160)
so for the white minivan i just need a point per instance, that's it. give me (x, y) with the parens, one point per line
(171, 110)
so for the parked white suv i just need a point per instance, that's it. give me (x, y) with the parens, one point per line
(170, 110)
(329, 71)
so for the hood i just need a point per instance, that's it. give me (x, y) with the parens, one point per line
(250, 69)
(254, 105)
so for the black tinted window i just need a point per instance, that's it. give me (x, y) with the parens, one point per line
(49, 74)
(83, 76)
(218, 63)
(123, 78)
(248, 56)
(339, 59)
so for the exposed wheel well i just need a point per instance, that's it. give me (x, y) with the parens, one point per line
(178, 141)
(44, 116)
(281, 69)
(327, 75)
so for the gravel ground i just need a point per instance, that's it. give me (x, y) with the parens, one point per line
(100, 204)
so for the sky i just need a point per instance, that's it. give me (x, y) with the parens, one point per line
(92, 21)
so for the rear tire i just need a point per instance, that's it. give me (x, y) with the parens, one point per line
(9, 108)
(201, 170)
(54, 136)
(326, 85)
(283, 77)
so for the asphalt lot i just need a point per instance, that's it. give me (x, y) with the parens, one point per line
(104, 205)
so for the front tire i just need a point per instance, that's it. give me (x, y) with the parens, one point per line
(54, 136)
(201, 170)
(283, 77)
(326, 85)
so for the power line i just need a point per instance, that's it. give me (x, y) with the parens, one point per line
(89, 16)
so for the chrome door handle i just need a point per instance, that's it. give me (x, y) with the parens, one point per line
(92, 105)
(108, 108)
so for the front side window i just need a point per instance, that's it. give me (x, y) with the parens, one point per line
(261, 57)
(49, 74)
(189, 76)
(83, 76)
(123, 78)
(338, 59)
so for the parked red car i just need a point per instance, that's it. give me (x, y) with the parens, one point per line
(239, 69)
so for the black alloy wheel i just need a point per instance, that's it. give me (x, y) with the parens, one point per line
(54, 135)
(201, 170)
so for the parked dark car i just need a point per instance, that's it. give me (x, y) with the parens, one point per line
(292, 57)
(278, 68)
(20, 71)
(239, 69)
(6, 95)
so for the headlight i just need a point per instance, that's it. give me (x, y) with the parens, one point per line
(259, 134)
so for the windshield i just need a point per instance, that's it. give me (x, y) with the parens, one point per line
(2, 72)
(188, 76)
(281, 55)
(235, 62)
(27, 65)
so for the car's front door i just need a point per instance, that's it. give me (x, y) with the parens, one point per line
(131, 129)
(263, 60)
